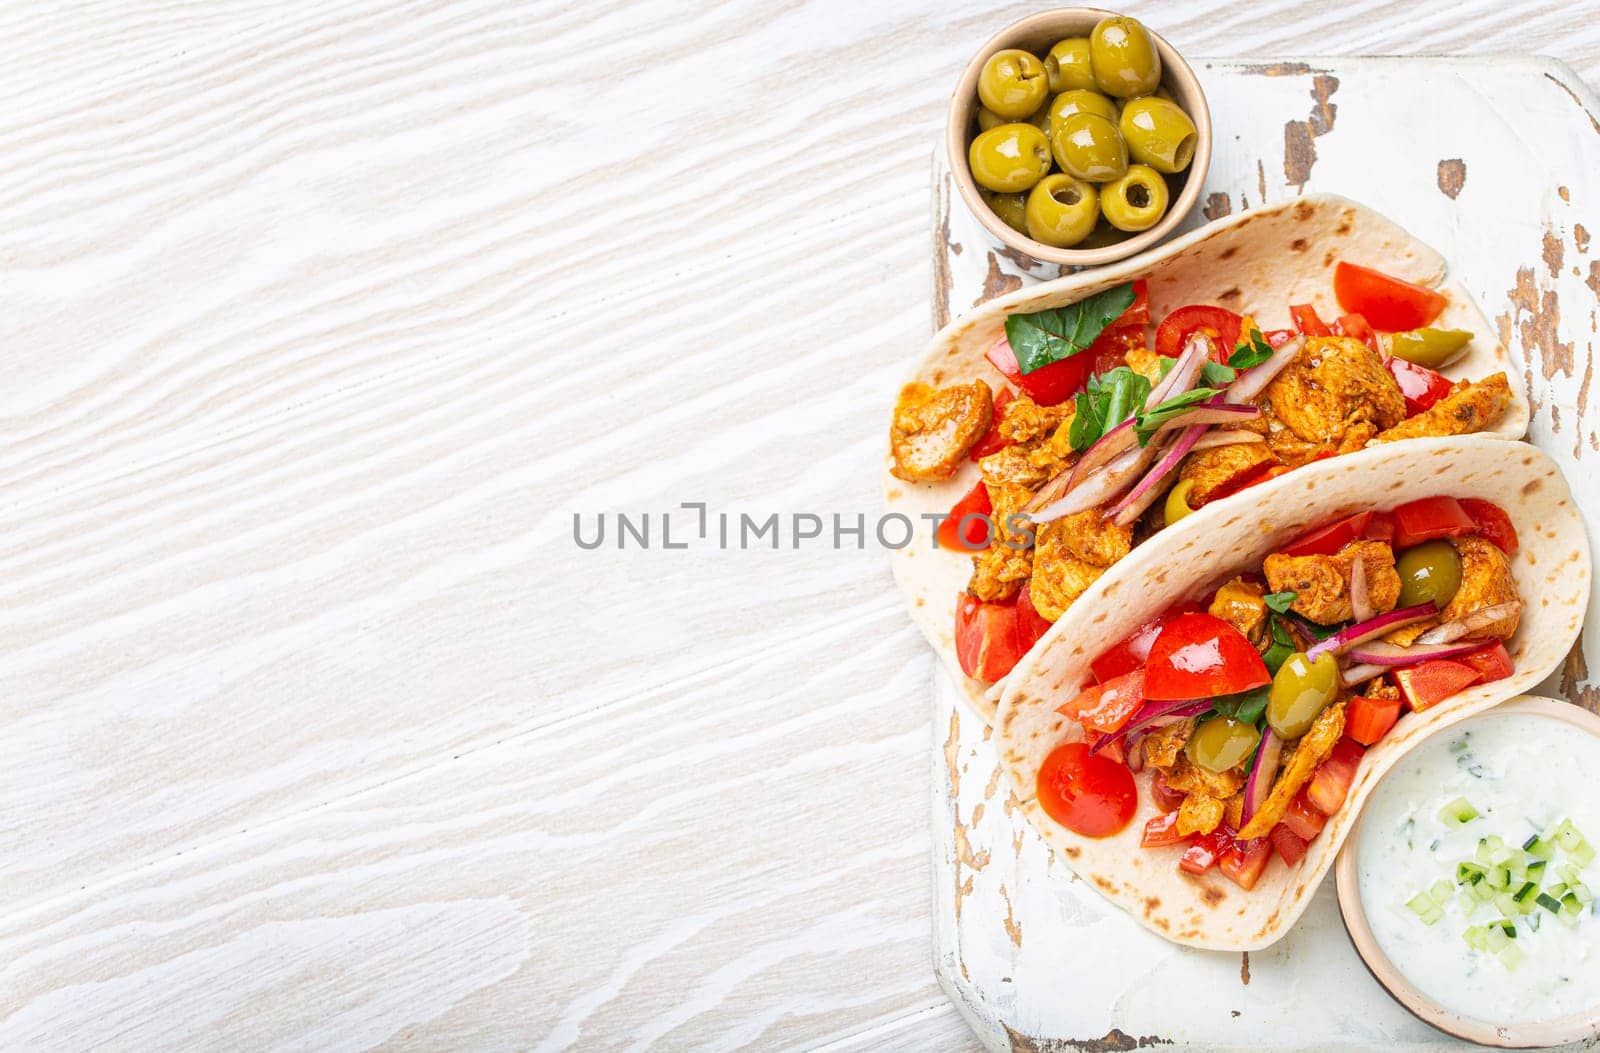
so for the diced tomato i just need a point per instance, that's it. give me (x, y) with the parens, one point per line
(1428, 684)
(1162, 830)
(1428, 518)
(1130, 654)
(1114, 751)
(1390, 303)
(961, 533)
(1106, 707)
(1291, 847)
(1303, 818)
(988, 644)
(1049, 386)
(1353, 325)
(1088, 794)
(993, 441)
(1249, 480)
(1491, 523)
(1164, 796)
(1380, 528)
(1492, 662)
(1243, 861)
(1220, 324)
(1276, 338)
(1369, 719)
(1203, 852)
(1326, 540)
(1331, 783)
(1202, 656)
(1306, 320)
(1139, 312)
(1421, 386)
(1031, 625)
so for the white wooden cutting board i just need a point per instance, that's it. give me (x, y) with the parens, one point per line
(1493, 162)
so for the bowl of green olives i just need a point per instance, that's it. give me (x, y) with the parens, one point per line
(1078, 137)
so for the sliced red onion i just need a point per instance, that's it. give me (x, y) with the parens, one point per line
(1210, 413)
(1225, 437)
(1268, 755)
(1450, 632)
(1393, 656)
(1152, 715)
(1144, 494)
(1098, 489)
(1357, 674)
(1104, 449)
(1185, 371)
(1360, 602)
(1361, 632)
(1254, 381)
(1135, 754)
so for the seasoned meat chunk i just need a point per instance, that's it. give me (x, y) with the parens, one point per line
(1144, 362)
(1016, 465)
(999, 571)
(933, 428)
(1240, 604)
(1163, 745)
(1027, 421)
(1334, 384)
(1486, 580)
(1216, 472)
(1468, 408)
(1309, 752)
(1058, 578)
(1191, 778)
(1088, 536)
(1199, 814)
(1233, 814)
(1322, 583)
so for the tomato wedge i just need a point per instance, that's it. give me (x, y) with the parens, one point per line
(1353, 325)
(1331, 783)
(1130, 654)
(1242, 862)
(1392, 304)
(1491, 523)
(967, 527)
(1306, 320)
(1203, 852)
(1049, 386)
(1369, 719)
(1380, 528)
(988, 644)
(1139, 312)
(1221, 324)
(1426, 685)
(1290, 846)
(1325, 541)
(993, 441)
(1276, 338)
(1304, 818)
(1421, 386)
(1088, 794)
(1431, 517)
(1162, 830)
(1201, 656)
(1031, 625)
(1106, 707)
(1492, 662)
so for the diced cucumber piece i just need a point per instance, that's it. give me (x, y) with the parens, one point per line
(1467, 902)
(1570, 905)
(1495, 940)
(1583, 855)
(1423, 906)
(1506, 905)
(1581, 891)
(1549, 902)
(1482, 892)
(1539, 848)
(1458, 812)
(1568, 873)
(1567, 836)
(1441, 892)
(1526, 894)
(1511, 957)
(1536, 868)
(1468, 873)
(1498, 877)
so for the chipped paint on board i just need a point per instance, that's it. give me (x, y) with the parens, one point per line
(1299, 137)
(1452, 176)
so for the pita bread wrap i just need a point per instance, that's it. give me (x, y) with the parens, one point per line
(1257, 262)
(1201, 552)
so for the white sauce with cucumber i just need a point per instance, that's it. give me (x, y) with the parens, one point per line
(1441, 895)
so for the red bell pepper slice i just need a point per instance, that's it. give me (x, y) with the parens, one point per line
(1203, 852)
(1325, 541)
(993, 441)
(1106, 707)
(1392, 304)
(1304, 818)
(1202, 656)
(1331, 783)
(1491, 523)
(1242, 862)
(988, 644)
(1380, 528)
(1492, 662)
(1369, 719)
(1048, 386)
(1290, 846)
(1031, 625)
(1355, 326)
(1220, 323)
(1306, 320)
(1421, 386)
(1428, 518)
(1428, 684)
(966, 529)
(1162, 830)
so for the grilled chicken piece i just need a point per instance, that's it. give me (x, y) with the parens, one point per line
(1310, 751)
(1486, 580)
(933, 428)
(1240, 604)
(1468, 408)
(1216, 472)
(1189, 777)
(1058, 577)
(1163, 745)
(999, 571)
(1199, 814)
(1144, 362)
(1322, 583)
(1333, 385)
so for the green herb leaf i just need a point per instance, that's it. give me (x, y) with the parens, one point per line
(1280, 601)
(1216, 374)
(1108, 400)
(1043, 337)
(1246, 706)
(1247, 355)
(1087, 424)
(1176, 406)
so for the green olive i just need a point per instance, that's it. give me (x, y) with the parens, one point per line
(1124, 58)
(1102, 235)
(1011, 208)
(1158, 133)
(1087, 146)
(1222, 743)
(1177, 505)
(1429, 571)
(1135, 202)
(1068, 65)
(1080, 101)
(1302, 689)
(988, 119)
(1013, 83)
(1061, 210)
(1009, 159)
(1434, 348)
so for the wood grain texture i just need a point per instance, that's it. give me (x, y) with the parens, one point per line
(321, 321)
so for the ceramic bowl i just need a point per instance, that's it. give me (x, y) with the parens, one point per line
(1038, 33)
(1585, 1025)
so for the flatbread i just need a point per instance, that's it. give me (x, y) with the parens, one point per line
(1256, 262)
(1198, 554)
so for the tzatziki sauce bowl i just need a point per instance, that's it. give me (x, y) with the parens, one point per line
(1465, 884)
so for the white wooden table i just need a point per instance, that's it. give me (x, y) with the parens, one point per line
(320, 323)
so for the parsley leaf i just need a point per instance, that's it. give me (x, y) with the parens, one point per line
(1152, 419)
(1216, 374)
(1043, 337)
(1246, 706)
(1108, 400)
(1251, 354)
(1280, 601)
